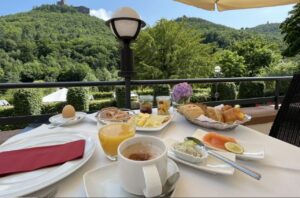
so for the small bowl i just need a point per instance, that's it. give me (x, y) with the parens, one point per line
(191, 158)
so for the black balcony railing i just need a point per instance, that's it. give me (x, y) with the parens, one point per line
(27, 119)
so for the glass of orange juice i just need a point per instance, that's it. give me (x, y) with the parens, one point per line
(113, 133)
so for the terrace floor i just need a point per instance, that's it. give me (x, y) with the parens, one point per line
(262, 118)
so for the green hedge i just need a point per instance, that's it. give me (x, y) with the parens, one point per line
(200, 97)
(251, 90)
(269, 92)
(227, 91)
(160, 90)
(102, 95)
(6, 111)
(27, 102)
(120, 96)
(201, 90)
(144, 92)
(53, 107)
(96, 105)
(284, 86)
(79, 98)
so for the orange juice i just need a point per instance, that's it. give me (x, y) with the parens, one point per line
(112, 135)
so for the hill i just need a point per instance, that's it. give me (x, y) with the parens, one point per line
(269, 30)
(202, 24)
(224, 36)
(59, 43)
(51, 42)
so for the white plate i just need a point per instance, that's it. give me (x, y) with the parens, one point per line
(104, 181)
(211, 164)
(25, 183)
(93, 118)
(251, 151)
(58, 119)
(153, 129)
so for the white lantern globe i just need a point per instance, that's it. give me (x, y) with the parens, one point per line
(125, 23)
(217, 69)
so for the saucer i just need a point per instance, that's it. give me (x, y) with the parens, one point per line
(104, 181)
(58, 119)
(211, 164)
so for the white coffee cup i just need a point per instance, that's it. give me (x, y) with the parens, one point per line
(143, 177)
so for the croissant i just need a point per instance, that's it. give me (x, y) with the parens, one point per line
(214, 114)
(233, 114)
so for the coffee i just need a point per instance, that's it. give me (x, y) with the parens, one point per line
(142, 151)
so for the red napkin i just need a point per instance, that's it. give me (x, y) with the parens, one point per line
(39, 157)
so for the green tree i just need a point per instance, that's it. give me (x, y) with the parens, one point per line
(171, 50)
(1, 73)
(32, 71)
(257, 54)
(284, 68)
(290, 28)
(77, 72)
(231, 63)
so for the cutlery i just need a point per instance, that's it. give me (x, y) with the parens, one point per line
(63, 123)
(244, 169)
(169, 185)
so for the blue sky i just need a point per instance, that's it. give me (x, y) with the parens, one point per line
(153, 10)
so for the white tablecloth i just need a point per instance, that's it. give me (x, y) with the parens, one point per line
(276, 181)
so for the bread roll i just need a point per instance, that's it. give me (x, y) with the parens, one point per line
(191, 111)
(214, 114)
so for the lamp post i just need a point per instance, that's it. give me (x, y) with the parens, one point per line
(126, 25)
(218, 74)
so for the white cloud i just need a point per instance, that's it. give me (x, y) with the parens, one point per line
(101, 13)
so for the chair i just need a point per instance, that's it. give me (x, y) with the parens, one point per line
(286, 126)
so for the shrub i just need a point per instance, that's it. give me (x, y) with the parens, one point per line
(284, 68)
(79, 98)
(200, 97)
(96, 105)
(145, 92)
(160, 90)
(269, 92)
(27, 102)
(201, 90)
(227, 91)
(251, 90)
(53, 107)
(6, 111)
(102, 95)
(120, 96)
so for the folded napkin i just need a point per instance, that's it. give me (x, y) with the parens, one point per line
(204, 118)
(30, 159)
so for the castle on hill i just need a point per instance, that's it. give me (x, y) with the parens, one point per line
(81, 9)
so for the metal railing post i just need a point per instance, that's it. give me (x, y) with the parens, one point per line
(276, 99)
(128, 92)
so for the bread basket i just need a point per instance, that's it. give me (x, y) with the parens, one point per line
(219, 125)
(212, 124)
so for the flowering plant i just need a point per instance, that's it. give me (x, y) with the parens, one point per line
(182, 92)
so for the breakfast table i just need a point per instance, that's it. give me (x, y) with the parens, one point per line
(280, 167)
